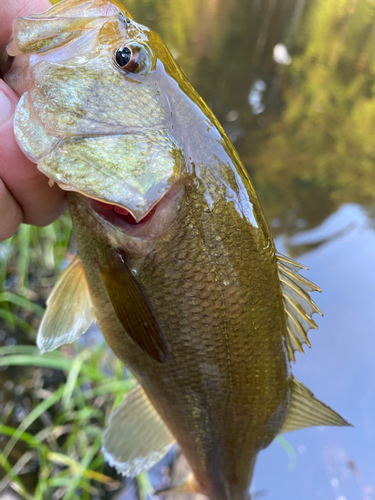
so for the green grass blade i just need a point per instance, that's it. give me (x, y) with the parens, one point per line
(14, 320)
(144, 486)
(50, 360)
(32, 441)
(20, 349)
(87, 459)
(5, 250)
(24, 256)
(31, 417)
(12, 476)
(289, 450)
(72, 378)
(20, 301)
(42, 361)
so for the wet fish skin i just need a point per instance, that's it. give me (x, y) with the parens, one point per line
(214, 354)
(206, 388)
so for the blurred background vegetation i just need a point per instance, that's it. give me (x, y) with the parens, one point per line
(303, 122)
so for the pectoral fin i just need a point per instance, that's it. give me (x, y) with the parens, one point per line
(307, 411)
(132, 309)
(136, 437)
(69, 310)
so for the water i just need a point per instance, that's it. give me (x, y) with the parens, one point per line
(334, 463)
(292, 82)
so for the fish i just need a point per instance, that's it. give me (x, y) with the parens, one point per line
(175, 260)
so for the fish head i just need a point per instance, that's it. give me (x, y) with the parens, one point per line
(95, 112)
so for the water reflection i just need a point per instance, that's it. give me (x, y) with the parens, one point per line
(256, 96)
(334, 463)
(304, 129)
(293, 83)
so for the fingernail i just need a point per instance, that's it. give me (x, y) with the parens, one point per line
(6, 107)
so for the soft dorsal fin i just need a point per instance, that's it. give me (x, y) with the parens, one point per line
(132, 309)
(299, 307)
(69, 310)
(307, 411)
(136, 438)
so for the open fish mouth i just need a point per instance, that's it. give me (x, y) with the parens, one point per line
(119, 216)
(152, 223)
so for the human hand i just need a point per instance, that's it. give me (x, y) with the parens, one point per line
(25, 195)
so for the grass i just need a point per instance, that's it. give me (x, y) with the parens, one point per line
(54, 406)
(30, 261)
(66, 452)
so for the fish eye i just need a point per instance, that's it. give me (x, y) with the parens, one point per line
(131, 58)
(123, 56)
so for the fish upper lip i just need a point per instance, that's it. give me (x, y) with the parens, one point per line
(138, 216)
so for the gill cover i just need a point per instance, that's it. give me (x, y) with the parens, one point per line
(90, 126)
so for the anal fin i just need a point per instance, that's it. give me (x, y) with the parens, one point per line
(69, 310)
(136, 437)
(307, 411)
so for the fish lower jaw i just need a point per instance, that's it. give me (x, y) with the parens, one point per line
(140, 235)
(118, 215)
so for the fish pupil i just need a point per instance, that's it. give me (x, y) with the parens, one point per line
(123, 56)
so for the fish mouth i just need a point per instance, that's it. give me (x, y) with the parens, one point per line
(150, 223)
(120, 216)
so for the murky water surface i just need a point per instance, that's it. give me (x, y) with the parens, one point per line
(293, 83)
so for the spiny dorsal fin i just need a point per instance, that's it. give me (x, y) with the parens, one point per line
(299, 307)
(132, 308)
(136, 437)
(307, 411)
(69, 310)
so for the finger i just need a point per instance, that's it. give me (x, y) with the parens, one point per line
(40, 203)
(10, 213)
(10, 9)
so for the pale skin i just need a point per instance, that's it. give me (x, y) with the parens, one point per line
(25, 195)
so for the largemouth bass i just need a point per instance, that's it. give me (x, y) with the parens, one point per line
(175, 259)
